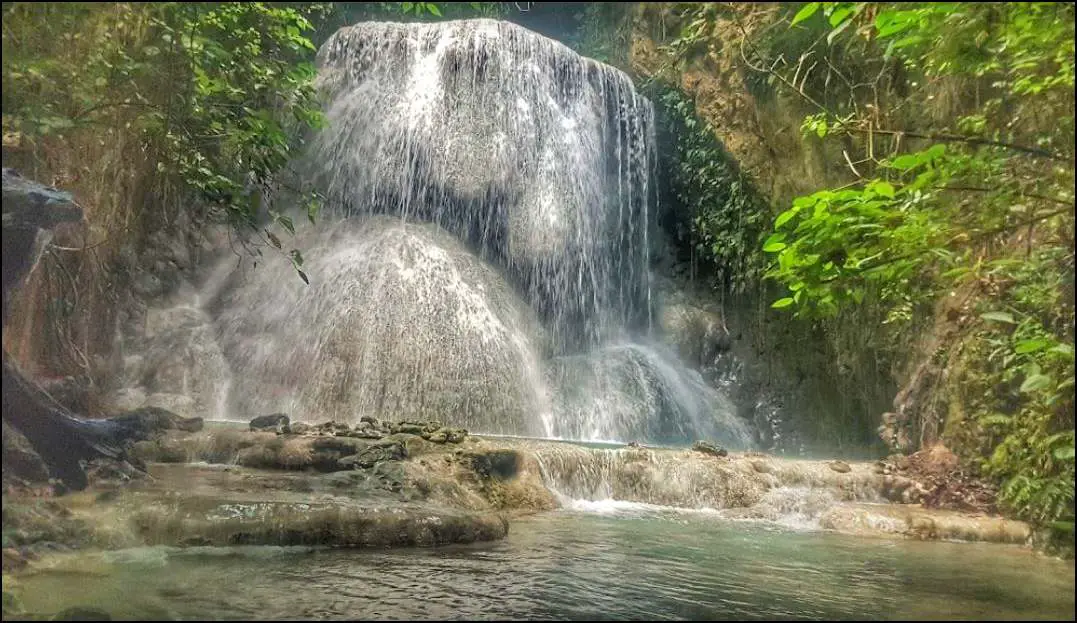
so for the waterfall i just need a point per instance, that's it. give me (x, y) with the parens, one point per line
(484, 255)
(540, 158)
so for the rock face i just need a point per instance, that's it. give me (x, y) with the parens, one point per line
(175, 363)
(30, 211)
(326, 447)
(20, 458)
(60, 438)
(398, 319)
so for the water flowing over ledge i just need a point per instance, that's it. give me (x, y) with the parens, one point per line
(483, 258)
(541, 158)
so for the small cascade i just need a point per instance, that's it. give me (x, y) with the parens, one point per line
(665, 478)
(794, 493)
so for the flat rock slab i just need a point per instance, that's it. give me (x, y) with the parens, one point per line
(199, 505)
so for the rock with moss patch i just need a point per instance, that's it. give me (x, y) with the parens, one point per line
(712, 449)
(374, 454)
(500, 464)
(275, 422)
(149, 422)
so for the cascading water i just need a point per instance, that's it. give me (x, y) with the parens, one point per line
(484, 255)
(538, 157)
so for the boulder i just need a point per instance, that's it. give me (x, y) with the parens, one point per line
(275, 422)
(707, 447)
(840, 466)
(146, 422)
(20, 458)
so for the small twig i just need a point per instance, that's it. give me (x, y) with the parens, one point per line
(1064, 202)
(850, 163)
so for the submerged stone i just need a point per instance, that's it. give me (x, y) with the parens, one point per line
(82, 613)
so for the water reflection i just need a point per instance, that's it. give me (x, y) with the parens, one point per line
(576, 566)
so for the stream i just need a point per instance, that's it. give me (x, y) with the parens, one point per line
(599, 560)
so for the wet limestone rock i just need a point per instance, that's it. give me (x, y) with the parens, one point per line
(712, 449)
(276, 422)
(20, 458)
(374, 454)
(499, 463)
(146, 422)
(840, 466)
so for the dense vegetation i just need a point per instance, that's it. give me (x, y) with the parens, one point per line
(956, 121)
(216, 98)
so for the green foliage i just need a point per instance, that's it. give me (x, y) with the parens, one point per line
(986, 204)
(725, 211)
(1026, 377)
(603, 31)
(220, 95)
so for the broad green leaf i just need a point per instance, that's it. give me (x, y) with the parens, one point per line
(905, 162)
(1030, 346)
(784, 302)
(889, 23)
(883, 188)
(804, 13)
(840, 15)
(784, 217)
(999, 316)
(1035, 382)
(1065, 453)
(774, 243)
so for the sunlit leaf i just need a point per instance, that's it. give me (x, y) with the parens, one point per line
(805, 12)
(1035, 382)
